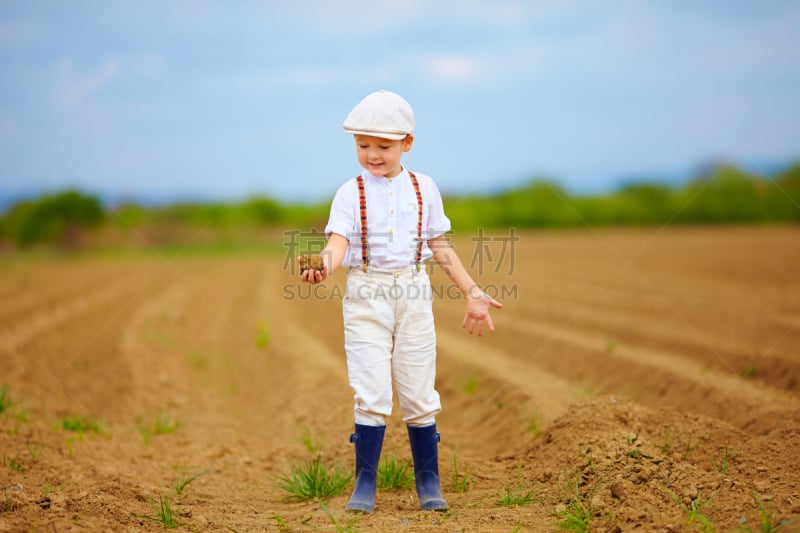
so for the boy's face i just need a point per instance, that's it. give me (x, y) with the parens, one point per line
(382, 156)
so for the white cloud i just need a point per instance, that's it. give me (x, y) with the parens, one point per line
(75, 87)
(307, 76)
(455, 69)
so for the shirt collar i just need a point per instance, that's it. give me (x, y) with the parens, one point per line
(378, 179)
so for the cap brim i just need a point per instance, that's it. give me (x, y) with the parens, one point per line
(380, 134)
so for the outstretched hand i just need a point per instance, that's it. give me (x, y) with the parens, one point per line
(313, 276)
(478, 306)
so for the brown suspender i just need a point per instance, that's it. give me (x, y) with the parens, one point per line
(362, 208)
(419, 217)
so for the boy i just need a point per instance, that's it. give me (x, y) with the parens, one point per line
(383, 226)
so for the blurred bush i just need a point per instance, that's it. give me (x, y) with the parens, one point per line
(54, 219)
(723, 195)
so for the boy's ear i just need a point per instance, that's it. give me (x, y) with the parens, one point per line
(407, 142)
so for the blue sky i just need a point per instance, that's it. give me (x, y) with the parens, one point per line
(229, 99)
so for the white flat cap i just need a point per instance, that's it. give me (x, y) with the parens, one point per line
(381, 114)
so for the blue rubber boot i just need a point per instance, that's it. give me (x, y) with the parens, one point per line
(425, 451)
(368, 441)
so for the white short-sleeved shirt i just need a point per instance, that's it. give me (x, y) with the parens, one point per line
(391, 219)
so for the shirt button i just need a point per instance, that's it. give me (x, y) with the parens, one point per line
(391, 193)
(391, 211)
(391, 231)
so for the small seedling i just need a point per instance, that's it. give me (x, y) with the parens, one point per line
(5, 400)
(50, 487)
(534, 424)
(723, 465)
(312, 480)
(197, 360)
(20, 414)
(576, 514)
(693, 511)
(691, 449)
(767, 520)
(164, 514)
(509, 497)
(35, 449)
(281, 523)
(184, 479)
(262, 337)
(162, 424)
(12, 463)
(460, 481)
(71, 439)
(153, 335)
(83, 424)
(610, 346)
(748, 372)
(394, 474)
(441, 518)
(667, 446)
(23, 416)
(312, 445)
(584, 391)
(469, 385)
(634, 453)
(347, 526)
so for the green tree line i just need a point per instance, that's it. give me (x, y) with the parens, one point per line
(726, 195)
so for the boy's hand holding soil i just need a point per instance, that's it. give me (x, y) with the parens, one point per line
(312, 268)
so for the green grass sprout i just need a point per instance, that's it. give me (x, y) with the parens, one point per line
(312, 480)
(469, 385)
(312, 445)
(347, 526)
(394, 474)
(163, 423)
(184, 479)
(281, 523)
(83, 424)
(164, 514)
(722, 466)
(5, 399)
(767, 523)
(576, 514)
(517, 497)
(693, 511)
(262, 337)
(460, 481)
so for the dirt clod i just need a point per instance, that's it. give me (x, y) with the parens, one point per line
(618, 490)
(311, 262)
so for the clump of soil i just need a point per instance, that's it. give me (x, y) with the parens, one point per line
(311, 262)
(631, 466)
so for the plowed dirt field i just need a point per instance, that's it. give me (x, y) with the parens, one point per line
(638, 374)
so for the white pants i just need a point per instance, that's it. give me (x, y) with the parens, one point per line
(389, 338)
